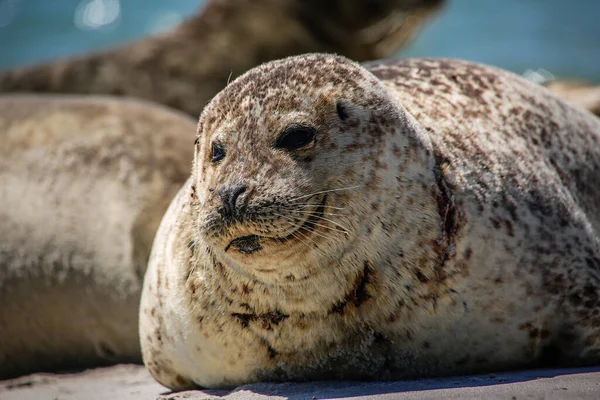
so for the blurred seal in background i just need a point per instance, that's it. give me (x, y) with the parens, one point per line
(183, 68)
(84, 183)
(579, 93)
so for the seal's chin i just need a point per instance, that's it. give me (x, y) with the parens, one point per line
(250, 244)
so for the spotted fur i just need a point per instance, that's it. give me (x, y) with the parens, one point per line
(457, 229)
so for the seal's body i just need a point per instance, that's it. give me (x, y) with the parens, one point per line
(579, 93)
(84, 183)
(411, 218)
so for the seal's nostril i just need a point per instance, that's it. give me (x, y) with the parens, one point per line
(229, 196)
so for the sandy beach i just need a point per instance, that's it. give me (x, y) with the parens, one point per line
(134, 382)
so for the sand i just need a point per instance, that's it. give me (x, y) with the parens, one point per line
(134, 382)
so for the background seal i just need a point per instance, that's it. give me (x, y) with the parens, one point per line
(185, 67)
(84, 183)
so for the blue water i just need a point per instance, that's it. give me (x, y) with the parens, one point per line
(560, 36)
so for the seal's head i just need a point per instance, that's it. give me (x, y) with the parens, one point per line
(296, 156)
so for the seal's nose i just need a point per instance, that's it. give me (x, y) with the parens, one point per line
(229, 196)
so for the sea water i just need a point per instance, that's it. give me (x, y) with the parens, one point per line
(558, 36)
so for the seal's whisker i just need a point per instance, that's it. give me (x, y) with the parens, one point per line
(344, 229)
(311, 205)
(295, 233)
(316, 246)
(304, 242)
(324, 191)
(315, 232)
(295, 219)
(190, 251)
(331, 228)
(320, 215)
(315, 213)
(190, 273)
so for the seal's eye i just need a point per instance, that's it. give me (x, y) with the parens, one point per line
(296, 137)
(217, 152)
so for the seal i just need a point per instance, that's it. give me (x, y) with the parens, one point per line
(404, 219)
(185, 67)
(582, 94)
(84, 183)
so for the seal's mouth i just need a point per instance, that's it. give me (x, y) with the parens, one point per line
(252, 243)
(246, 244)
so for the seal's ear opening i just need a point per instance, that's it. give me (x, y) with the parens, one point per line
(342, 111)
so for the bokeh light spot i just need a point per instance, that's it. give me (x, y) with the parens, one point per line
(94, 14)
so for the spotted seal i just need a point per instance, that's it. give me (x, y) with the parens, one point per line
(84, 183)
(185, 67)
(403, 219)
